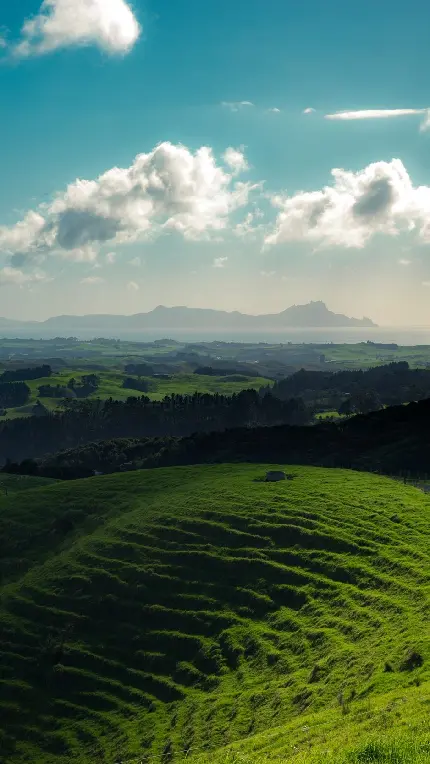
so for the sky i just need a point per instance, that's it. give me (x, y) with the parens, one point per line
(241, 155)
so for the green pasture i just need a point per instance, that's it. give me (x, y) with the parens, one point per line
(200, 613)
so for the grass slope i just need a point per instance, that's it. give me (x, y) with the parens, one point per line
(174, 612)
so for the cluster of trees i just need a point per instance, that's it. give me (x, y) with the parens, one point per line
(14, 394)
(176, 415)
(21, 375)
(142, 385)
(88, 385)
(54, 391)
(357, 391)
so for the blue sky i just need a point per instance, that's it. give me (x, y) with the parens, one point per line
(82, 95)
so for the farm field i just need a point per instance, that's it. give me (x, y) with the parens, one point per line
(364, 355)
(111, 386)
(201, 613)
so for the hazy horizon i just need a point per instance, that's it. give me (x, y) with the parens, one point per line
(284, 169)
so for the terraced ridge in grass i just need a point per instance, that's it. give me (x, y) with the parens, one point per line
(164, 614)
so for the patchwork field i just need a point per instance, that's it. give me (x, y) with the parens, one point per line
(170, 613)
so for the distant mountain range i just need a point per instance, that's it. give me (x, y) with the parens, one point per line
(312, 315)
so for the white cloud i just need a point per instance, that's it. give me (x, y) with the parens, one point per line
(309, 110)
(170, 189)
(219, 262)
(110, 258)
(108, 24)
(235, 160)
(425, 124)
(405, 262)
(373, 114)
(381, 114)
(268, 274)
(13, 276)
(136, 262)
(426, 283)
(236, 105)
(132, 286)
(92, 280)
(275, 110)
(379, 199)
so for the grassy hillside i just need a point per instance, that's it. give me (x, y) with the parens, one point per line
(13, 483)
(174, 612)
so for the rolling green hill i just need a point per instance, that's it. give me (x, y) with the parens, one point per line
(170, 613)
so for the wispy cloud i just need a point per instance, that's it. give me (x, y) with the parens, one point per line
(405, 262)
(347, 116)
(219, 262)
(13, 276)
(136, 262)
(236, 105)
(275, 110)
(92, 280)
(309, 110)
(132, 286)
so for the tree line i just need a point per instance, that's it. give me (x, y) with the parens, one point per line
(83, 421)
(393, 441)
(21, 375)
(367, 390)
(14, 394)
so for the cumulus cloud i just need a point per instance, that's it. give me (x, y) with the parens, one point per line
(236, 105)
(170, 189)
(110, 258)
(379, 199)
(132, 286)
(275, 110)
(381, 114)
(219, 262)
(13, 276)
(92, 280)
(235, 160)
(108, 24)
(309, 110)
